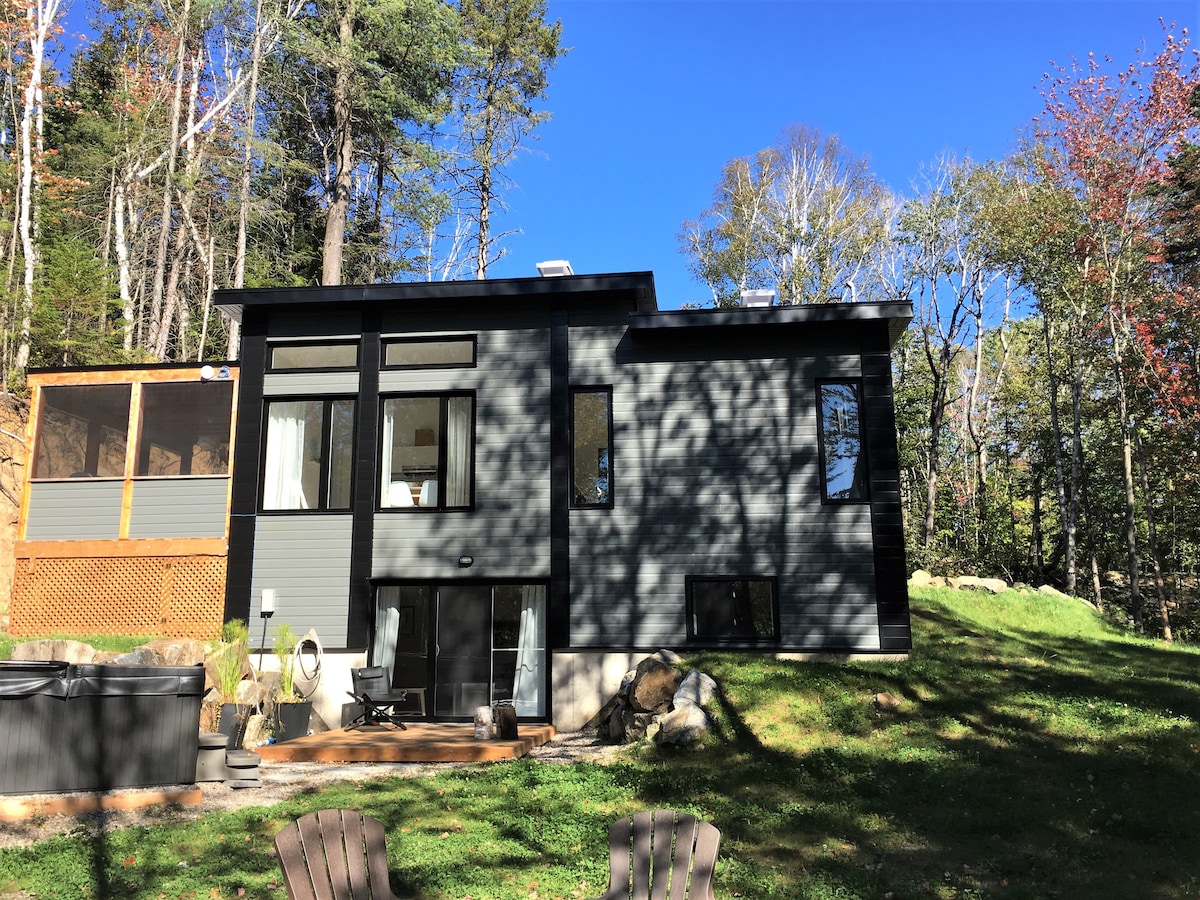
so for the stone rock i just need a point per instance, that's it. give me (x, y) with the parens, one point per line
(48, 650)
(634, 724)
(177, 652)
(1051, 591)
(139, 656)
(696, 688)
(685, 725)
(655, 685)
(1116, 579)
(920, 578)
(670, 657)
(613, 727)
(992, 585)
(886, 701)
(627, 681)
(937, 581)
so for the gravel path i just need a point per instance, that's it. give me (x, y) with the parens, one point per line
(280, 780)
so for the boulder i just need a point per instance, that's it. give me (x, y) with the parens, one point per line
(1051, 591)
(48, 650)
(177, 652)
(634, 724)
(991, 585)
(886, 701)
(696, 688)
(139, 656)
(684, 725)
(920, 578)
(670, 657)
(654, 686)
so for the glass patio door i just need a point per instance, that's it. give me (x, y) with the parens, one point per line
(456, 647)
(463, 649)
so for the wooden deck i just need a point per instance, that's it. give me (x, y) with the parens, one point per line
(419, 743)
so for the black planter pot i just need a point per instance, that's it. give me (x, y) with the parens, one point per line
(230, 719)
(291, 720)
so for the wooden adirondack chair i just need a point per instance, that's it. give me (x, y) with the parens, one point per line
(661, 855)
(334, 854)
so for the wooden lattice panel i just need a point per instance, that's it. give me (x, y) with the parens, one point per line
(169, 596)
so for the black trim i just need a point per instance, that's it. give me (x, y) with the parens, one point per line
(609, 502)
(822, 471)
(246, 472)
(272, 346)
(558, 614)
(887, 529)
(472, 339)
(689, 582)
(360, 608)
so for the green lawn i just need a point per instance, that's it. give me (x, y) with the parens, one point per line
(1036, 754)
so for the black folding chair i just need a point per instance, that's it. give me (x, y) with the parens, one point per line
(373, 692)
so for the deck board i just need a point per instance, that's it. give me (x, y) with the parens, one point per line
(419, 743)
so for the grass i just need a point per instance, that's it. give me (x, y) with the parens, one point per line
(1036, 753)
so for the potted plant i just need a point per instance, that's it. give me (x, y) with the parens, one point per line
(231, 663)
(292, 710)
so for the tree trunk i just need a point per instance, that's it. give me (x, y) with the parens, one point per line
(339, 201)
(1160, 585)
(40, 20)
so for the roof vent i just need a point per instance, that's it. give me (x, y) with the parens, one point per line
(552, 268)
(757, 298)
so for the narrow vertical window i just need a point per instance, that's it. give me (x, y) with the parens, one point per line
(591, 447)
(843, 457)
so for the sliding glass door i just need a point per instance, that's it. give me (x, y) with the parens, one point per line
(458, 646)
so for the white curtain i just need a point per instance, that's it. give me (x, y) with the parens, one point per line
(458, 452)
(385, 466)
(531, 652)
(283, 476)
(387, 627)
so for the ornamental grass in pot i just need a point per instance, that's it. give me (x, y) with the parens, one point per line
(292, 709)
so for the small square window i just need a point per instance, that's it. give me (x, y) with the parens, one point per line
(732, 610)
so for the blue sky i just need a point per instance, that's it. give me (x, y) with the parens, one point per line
(656, 95)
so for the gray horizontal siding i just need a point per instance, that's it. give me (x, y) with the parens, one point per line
(81, 509)
(302, 384)
(306, 560)
(191, 507)
(716, 473)
(508, 532)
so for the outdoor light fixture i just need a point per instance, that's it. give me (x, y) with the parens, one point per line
(554, 267)
(207, 373)
(266, 609)
(465, 562)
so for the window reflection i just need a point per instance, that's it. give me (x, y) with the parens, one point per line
(843, 459)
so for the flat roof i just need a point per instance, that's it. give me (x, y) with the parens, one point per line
(897, 314)
(639, 286)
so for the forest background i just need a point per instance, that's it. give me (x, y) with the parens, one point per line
(1047, 392)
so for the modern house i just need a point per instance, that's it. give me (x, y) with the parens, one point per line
(510, 490)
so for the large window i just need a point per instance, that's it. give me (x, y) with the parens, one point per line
(732, 609)
(591, 447)
(309, 455)
(843, 457)
(185, 429)
(428, 452)
(83, 431)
